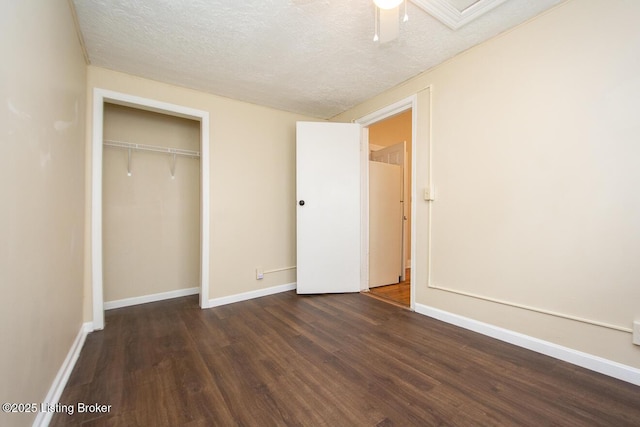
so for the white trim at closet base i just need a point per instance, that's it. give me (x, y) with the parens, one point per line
(161, 296)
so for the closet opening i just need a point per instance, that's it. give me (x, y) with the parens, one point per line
(150, 206)
(150, 202)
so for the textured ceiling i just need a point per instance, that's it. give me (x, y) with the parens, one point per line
(314, 57)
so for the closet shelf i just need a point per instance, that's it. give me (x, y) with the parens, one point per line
(154, 148)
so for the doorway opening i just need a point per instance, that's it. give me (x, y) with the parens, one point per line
(388, 226)
(100, 97)
(390, 208)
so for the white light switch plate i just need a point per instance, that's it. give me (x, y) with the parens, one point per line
(636, 332)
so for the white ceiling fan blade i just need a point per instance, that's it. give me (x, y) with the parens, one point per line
(389, 24)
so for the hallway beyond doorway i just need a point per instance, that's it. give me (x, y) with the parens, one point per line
(398, 293)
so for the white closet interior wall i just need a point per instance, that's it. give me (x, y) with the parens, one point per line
(151, 227)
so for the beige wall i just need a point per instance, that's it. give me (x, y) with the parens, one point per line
(151, 221)
(42, 118)
(392, 130)
(252, 184)
(535, 153)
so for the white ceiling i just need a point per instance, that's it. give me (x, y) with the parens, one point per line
(314, 57)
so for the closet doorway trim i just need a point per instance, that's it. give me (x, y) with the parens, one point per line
(100, 96)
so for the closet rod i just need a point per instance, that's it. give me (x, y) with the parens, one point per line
(154, 148)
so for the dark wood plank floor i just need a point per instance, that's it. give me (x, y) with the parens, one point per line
(326, 360)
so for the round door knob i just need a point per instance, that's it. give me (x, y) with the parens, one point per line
(301, 202)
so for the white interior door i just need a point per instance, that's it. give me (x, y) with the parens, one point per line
(328, 210)
(385, 223)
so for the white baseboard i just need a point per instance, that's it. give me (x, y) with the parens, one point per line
(60, 381)
(585, 360)
(215, 302)
(126, 302)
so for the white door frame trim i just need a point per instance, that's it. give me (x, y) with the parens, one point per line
(410, 102)
(100, 96)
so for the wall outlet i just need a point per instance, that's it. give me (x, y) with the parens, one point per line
(636, 332)
(259, 273)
